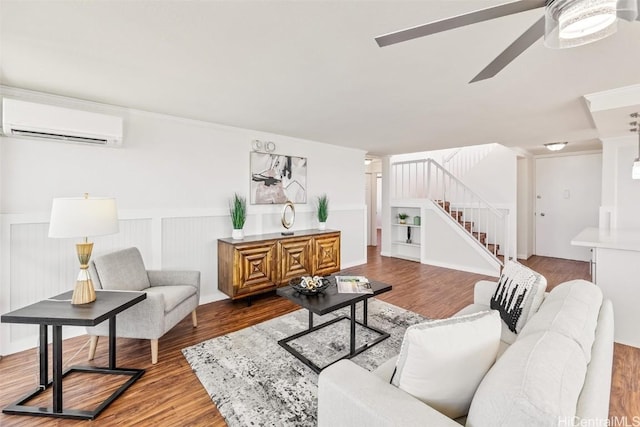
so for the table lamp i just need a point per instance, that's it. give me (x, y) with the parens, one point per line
(83, 217)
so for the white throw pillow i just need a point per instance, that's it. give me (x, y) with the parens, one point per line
(519, 294)
(442, 362)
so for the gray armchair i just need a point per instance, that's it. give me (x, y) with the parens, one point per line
(171, 296)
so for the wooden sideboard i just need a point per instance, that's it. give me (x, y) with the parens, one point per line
(261, 263)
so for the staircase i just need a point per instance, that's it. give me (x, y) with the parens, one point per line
(485, 225)
(458, 216)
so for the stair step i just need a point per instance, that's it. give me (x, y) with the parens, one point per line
(468, 225)
(445, 205)
(456, 214)
(491, 248)
(482, 237)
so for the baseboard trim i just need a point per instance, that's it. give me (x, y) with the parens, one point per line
(476, 270)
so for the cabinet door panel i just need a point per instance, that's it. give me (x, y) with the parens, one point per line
(327, 255)
(254, 268)
(295, 257)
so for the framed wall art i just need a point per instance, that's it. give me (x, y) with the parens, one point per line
(276, 179)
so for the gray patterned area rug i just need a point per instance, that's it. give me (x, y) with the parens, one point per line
(255, 382)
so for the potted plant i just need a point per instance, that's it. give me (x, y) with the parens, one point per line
(323, 211)
(238, 212)
(402, 218)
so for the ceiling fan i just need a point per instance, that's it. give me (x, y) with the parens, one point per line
(564, 23)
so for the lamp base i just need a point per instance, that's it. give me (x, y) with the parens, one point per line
(84, 292)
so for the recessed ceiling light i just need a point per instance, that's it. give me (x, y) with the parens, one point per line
(555, 146)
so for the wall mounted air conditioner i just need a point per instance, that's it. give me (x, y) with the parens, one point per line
(33, 120)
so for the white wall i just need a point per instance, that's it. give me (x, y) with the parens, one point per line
(446, 245)
(173, 179)
(620, 193)
(525, 207)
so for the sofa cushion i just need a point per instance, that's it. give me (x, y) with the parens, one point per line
(519, 293)
(441, 362)
(570, 309)
(173, 295)
(506, 336)
(536, 382)
(122, 270)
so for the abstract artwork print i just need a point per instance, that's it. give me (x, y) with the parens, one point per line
(276, 179)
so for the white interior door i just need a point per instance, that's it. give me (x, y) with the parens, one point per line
(568, 192)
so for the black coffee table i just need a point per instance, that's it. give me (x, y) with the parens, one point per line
(328, 301)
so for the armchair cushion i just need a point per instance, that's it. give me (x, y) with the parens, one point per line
(174, 277)
(123, 270)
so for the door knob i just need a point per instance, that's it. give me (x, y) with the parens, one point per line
(541, 213)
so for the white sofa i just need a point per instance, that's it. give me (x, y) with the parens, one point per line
(556, 372)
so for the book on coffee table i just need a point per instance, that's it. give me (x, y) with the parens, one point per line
(353, 285)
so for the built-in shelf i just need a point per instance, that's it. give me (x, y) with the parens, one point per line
(401, 232)
(415, 245)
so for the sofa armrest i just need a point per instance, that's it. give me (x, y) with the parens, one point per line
(172, 277)
(349, 395)
(483, 291)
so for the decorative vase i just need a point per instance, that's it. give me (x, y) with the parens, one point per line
(402, 221)
(416, 220)
(237, 234)
(322, 226)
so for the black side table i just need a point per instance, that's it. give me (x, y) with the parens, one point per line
(58, 311)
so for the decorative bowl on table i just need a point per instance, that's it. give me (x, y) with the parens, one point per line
(308, 285)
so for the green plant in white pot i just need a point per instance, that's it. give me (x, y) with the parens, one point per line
(238, 212)
(323, 211)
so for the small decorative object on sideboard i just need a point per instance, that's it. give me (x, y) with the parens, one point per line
(402, 218)
(308, 285)
(238, 212)
(323, 211)
(288, 218)
(416, 220)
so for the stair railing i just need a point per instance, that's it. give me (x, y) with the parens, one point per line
(426, 178)
(477, 216)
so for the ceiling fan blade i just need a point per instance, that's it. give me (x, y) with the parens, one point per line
(458, 21)
(521, 44)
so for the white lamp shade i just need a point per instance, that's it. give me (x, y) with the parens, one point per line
(83, 217)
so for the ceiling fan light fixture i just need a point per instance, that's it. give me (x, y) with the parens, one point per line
(555, 146)
(571, 23)
(587, 18)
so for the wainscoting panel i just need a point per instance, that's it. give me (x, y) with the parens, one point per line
(192, 244)
(34, 266)
(41, 267)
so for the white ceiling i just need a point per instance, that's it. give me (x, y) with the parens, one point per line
(311, 69)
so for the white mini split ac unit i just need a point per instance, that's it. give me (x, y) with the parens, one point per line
(32, 120)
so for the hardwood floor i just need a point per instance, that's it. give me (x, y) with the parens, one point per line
(169, 394)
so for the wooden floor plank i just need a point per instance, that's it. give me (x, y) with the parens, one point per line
(169, 393)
